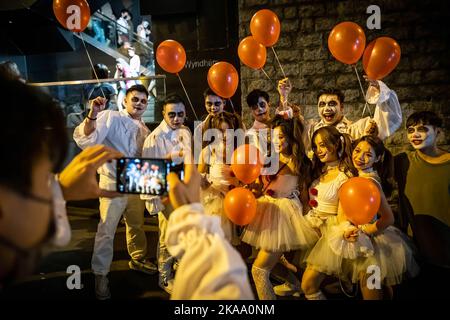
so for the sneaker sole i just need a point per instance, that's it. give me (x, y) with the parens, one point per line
(288, 294)
(133, 267)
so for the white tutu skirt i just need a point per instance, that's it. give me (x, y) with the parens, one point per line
(212, 201)
(392, 254)
(279, 226)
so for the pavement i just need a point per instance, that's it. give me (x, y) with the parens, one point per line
(50, 280)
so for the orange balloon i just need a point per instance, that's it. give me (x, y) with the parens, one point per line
(252, 53)
(223, 79)
(74, 15)
(347, 42)
(246, 163)
(171, 56)
(240, 206)
(360, 200)
(381, 56)
(265, 27)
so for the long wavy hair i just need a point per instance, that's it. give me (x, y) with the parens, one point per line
(338, 142)
(385, 166)
(293, 131)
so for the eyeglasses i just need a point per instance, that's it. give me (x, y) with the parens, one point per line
(331, 103)
(172, 115)
(261, 105)
(136, 100)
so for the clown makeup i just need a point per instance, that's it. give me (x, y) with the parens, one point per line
(322, 151)
(330, 109)
(174, 115)
(364, 156)
(260, 111)
(214, 104)
(422, 136)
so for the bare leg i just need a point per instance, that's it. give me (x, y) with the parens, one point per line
(287, 264)
(311, 284)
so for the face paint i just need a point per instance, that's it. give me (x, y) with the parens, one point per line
(422, 136)
(330, 109)
(364, 156)
(260, 111)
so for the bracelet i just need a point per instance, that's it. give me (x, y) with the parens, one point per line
(93, 119)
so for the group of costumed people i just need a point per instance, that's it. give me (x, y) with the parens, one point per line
(293, 209)
(298, 205)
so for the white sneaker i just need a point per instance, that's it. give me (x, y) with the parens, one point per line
(287, 289)
(102, 287)
(166, 284)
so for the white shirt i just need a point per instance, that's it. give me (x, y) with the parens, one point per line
(118, 130)
(209, 267)
(135, 65)
(122, 25)
(161, 143)
(258, 135)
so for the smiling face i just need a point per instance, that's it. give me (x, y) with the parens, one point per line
(322, 151)
(280, 141)
(214, 105)
(364, 156)
(174, 115)
(136, 104)
(260, 111)
(330, 109)
(422, 136)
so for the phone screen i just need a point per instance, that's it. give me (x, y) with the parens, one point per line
(145, 175)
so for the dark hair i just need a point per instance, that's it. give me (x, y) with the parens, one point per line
(332, 91)
(101, 70)
(293, 131)
(343, 146)
(9, 70)
(173, 98)
(253, 97)
(384, 167)
(138, 88)
(213, 122)
(34, 127)
(425, 118)
(209, 92)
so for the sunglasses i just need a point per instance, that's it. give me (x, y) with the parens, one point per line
(136, 100)
(331, 103)
(172, 115)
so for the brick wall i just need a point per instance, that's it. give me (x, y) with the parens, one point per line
(421, 80)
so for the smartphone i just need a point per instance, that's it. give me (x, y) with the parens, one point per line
(145, 175)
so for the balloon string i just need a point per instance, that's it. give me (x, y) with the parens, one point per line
(276, 57)
(185, 92)
(265, 74)
(366, 106)
(92, 65)
(232, 106)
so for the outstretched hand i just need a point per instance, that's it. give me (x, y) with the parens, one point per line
(187, 192)
(373, 83)
(79, 180)
(284, 88)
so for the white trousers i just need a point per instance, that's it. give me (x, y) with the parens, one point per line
(111, 210)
